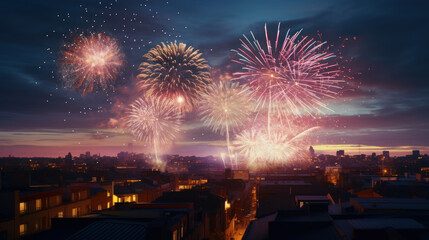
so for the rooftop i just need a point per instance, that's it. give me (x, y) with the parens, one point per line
(312, 198)
(391, 203)
(111, 229)
(258, 229)
(32, 190)
(349, 227)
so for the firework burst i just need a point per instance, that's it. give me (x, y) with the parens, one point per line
(225, 106)
(153, 120)
(262, 151)
(290, 77)
(258, 148)
(91, 61)
(176, 72)
(249, 144)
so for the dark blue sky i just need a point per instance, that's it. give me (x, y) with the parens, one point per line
(388, 109)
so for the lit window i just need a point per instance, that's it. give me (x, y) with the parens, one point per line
(23, 229)
(134, 198)
(22, 207)
(37, 225)
(108, 193)
(99, 207)
(108, 204)
(78, 195)
(38, 204)
(175, 235)
(60, 214)
(74, 212)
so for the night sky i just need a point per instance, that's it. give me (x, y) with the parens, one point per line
(383, 43)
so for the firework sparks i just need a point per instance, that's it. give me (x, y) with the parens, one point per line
(91, 61)
(280, 148)
(176, 72)
(256, 146)
(249, 144)
(292, 77)
(153, 120)
(225, 106)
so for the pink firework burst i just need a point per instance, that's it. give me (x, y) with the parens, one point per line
(91, 61)
(291, 77)
(155, 121)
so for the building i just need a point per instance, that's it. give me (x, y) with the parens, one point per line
(30, 210)
(386, 154)
(144, 190)
(340, 153)
(333, 173)
(124, 193)
(317, 217)
(381, 228)
(170, 221)
(389, 205)
(189, 182)
(240, 174)
(306, 218)
(312, 152)
(101, 196)
(210, 210)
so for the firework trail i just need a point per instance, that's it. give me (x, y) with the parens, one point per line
(153, 120)
(224, 107)
(222, 156)
(91, 61)
(290, 77)
(176, 72)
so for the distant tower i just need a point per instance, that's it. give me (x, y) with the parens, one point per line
(340, 153)
(416, 153)
(88, 154)
(312, 153)
(386, 154)
(68, 157)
